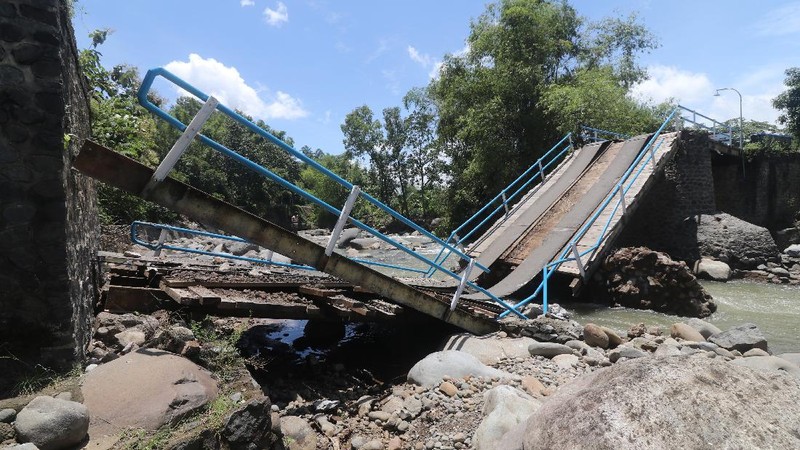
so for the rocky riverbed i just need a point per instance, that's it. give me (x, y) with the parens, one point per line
(474, 392)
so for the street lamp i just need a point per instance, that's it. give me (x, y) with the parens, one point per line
(741, 120)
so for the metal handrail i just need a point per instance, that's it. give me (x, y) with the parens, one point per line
(147, 83)
(164, 246)
(174, 122)
(712, 128)
(618, 193)
(594, 133)
(505, 200)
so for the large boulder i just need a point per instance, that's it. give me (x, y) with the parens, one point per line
(742, 337)
(432, 369)
(637, 277)
(710, 269)
(769, 363)
(740, 244)
(674, 402)
(145, 389)
(489, 349)
(52, 423)
(504, 407)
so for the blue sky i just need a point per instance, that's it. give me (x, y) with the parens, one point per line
(302, 65)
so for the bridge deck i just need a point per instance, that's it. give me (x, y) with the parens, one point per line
(131, 176)
(633, 199)
(547, 236)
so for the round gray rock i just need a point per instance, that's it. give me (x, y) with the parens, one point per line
(433, 368)
(7, 415)
(675, 402)
(145, 389)
(298, 434)
(704, 328)
(548, 349)
(742, 338)
(52, 423)
(504, 408)
(489, 349)
(727, 238)
(710, 269)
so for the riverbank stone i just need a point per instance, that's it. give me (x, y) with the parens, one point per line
(431, 370)
(685, 332)
(548, 349)
(595, 336)
(711, 269)
(52, 423)
(742, 338)
(704, 328)
(692, 393)
(768, 363)
(504, 408)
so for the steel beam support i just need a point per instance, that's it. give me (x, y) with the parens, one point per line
(462, 284)
(180, 146)
(131, 176)
(343, 216)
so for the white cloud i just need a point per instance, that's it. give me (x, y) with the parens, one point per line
(781, 21)
(227, 85)
(276, 17)
(247, 3)
(416, 56)
(426, 61)
(696, 91)
(667, 82)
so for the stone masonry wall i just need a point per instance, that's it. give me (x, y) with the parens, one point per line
(686, 188)
(767, 193)
(48, 215)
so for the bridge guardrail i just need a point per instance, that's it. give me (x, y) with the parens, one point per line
(211, 104)
(503, 200)
(617, 196)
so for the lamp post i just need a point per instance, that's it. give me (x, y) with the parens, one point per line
(741, 120)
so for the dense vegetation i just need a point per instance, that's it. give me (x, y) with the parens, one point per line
(533, 71)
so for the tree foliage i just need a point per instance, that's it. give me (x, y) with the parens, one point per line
(788, 103)
(533, 70)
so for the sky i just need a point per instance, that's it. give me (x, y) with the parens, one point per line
(302, 65)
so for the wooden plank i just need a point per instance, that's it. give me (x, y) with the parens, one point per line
(182, 296)
(181, 283)
(318, 292)
(352, 305)
(121, 299)
(207, 296)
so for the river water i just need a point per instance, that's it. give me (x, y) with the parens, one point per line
(774, 308)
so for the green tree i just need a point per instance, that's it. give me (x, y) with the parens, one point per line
(119, 123)
(595, 97)
(364, 139)
(329, 190)
(531, 71)
(788, 103)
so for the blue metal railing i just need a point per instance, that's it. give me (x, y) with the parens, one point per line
(595, 134)
(135, 227)
(174, 122)
(718, 130)
(647, 154)
(502, 200)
